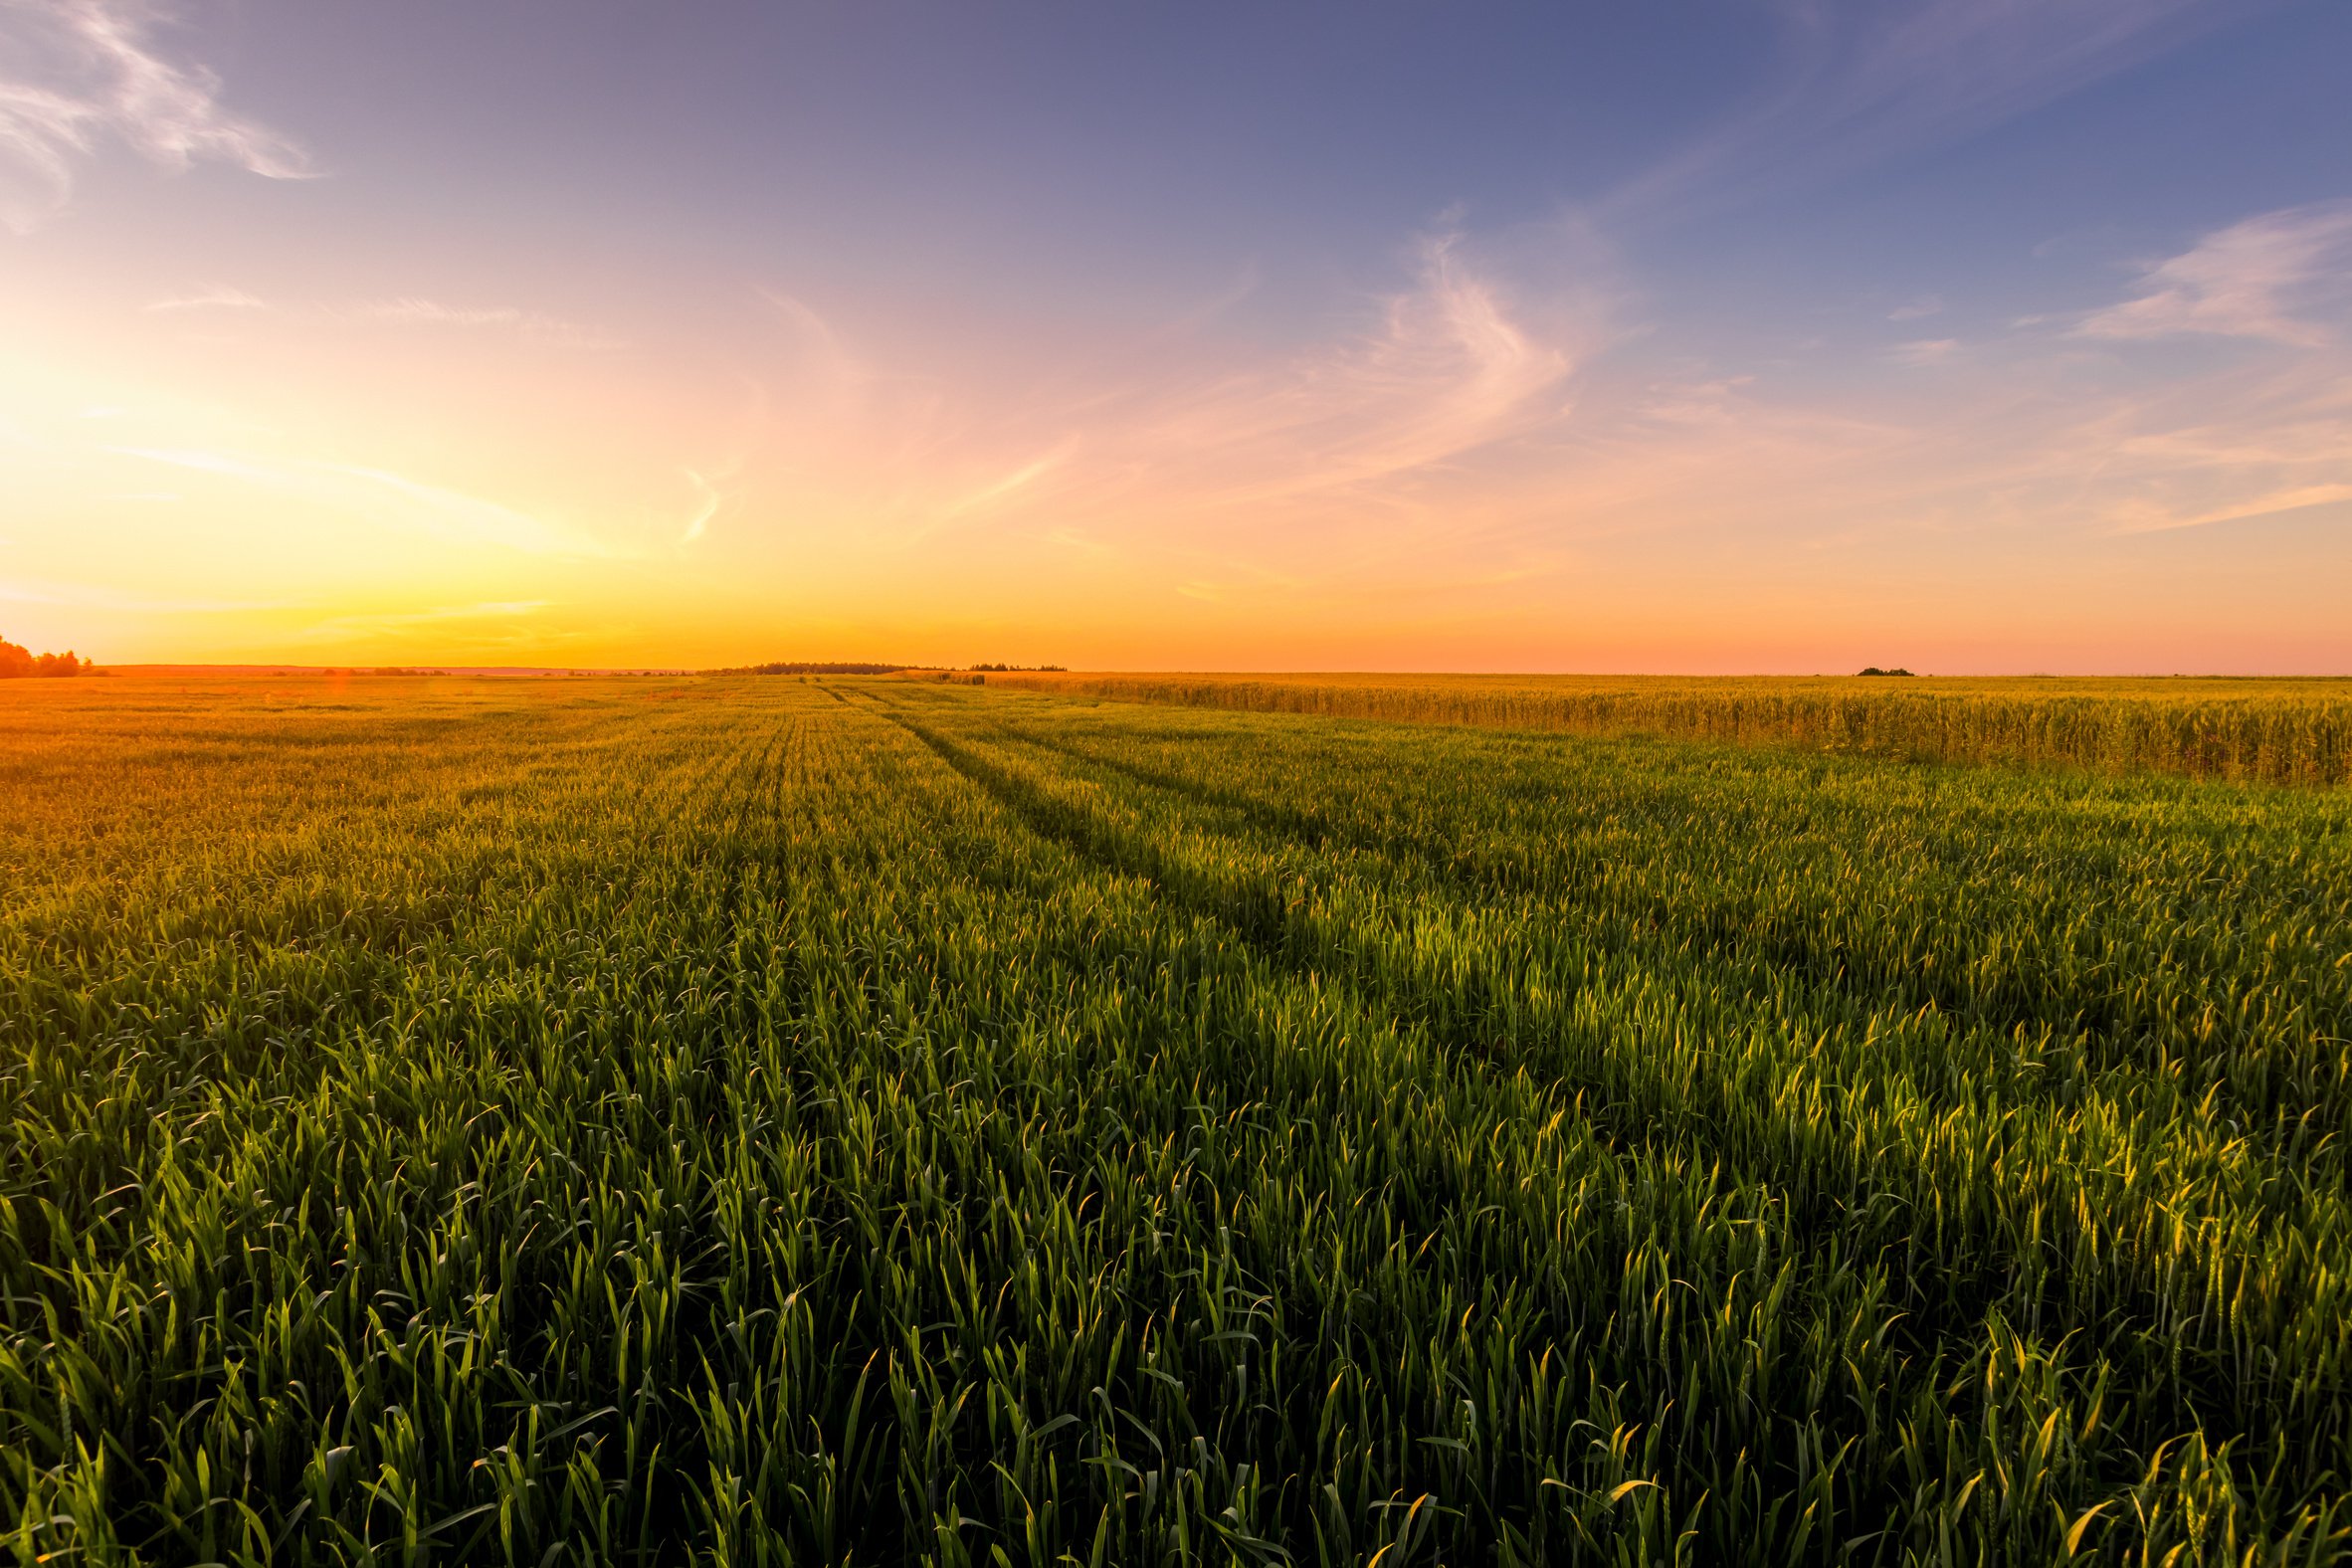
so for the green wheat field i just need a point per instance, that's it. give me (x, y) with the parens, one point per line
(865, 1120)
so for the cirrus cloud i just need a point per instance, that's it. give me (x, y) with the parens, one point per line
(2250, 280)
(76, 73)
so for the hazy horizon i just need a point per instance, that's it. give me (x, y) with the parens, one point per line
(1979, 339)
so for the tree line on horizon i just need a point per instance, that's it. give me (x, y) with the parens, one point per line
(852, 668)
(819, 668)
(17, 660)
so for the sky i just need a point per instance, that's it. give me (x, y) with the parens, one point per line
(1730, 335)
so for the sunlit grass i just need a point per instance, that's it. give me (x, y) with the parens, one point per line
(2281, 731)
(775, 1120)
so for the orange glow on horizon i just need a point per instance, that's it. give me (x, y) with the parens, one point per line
(1478, 469)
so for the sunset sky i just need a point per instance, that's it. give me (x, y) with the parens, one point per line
(1977, 336)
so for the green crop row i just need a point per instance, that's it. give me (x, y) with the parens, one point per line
(754, 1121)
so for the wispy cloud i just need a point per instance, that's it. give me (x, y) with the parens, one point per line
(413, 311)
(489, 625)
(1474, 348)
(2258, 440)
(2269, 504)
(1860, 82)
(406, 310)
(386, 498)
(1926, 350)
(73, 72)
(2029, 440)
(1925, 305)
(90, 596)
(1452, 366)
(2246, 281)
(710, 501)
(1006, 486)
(210, 300)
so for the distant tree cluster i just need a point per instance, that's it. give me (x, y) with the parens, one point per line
(17, 662)
(1009, 667)
(834, 669)
(1873, 670)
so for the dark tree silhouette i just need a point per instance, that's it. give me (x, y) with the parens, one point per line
(836, 668)
(17, 660)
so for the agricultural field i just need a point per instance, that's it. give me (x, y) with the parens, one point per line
(2295, 730)
(765, 1121)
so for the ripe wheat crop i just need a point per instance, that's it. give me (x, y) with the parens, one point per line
(769, 1120)
(2283, 731)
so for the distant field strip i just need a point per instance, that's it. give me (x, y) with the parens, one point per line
(773, 1120)
(2251, 731)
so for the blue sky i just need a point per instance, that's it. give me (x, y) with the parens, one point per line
(1733, 337)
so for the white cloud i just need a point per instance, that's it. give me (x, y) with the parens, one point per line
(386, 498)
(1005, 487)
(2244, 509)
(711, 501)
(413, 311)
(73, 72)
(1924, 305)
(1927, 350)
(407, 310)
(1860, 81)
(2262, 438)
(1469, 351)
(1458, 361)
(2246, 281)
(210, 300)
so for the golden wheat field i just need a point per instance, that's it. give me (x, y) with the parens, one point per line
(2280, 731)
